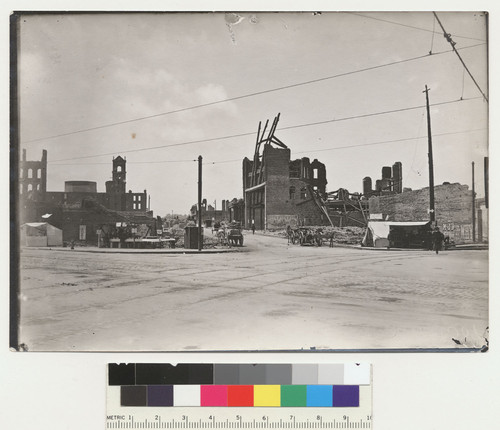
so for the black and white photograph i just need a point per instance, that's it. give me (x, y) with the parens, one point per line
(249, 181)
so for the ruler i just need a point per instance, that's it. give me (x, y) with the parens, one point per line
(240, 418)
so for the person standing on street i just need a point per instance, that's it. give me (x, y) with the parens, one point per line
(253, 227)
(437, 239)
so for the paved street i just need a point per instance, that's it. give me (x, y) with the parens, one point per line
(269, 295)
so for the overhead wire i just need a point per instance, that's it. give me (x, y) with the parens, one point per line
(416, 144)
(433, 33)
(411, 26)
(447, 36)
(390, 141)
(463, 84)
(312, 81)
(253, 132)
(366, 144)
(129, 162)
(373, 114)
(297, 152)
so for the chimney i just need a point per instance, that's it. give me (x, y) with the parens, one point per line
(367, 186)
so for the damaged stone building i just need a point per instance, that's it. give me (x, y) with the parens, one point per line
(210, 214)
(80, 210)
(232, 210)
(453, 203)
(279, 191)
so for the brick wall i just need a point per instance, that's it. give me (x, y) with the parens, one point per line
(135, 201)
(309, 213)
(278, 183)
(453, 203)
(282, 208)
(278, 221)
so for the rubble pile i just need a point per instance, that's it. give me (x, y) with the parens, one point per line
(345, 235)
(341, 235)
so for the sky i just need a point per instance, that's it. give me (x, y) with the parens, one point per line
(161, 89)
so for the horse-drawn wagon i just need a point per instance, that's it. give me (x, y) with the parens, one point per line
(234, 233)
(305, 236)
(230, 234)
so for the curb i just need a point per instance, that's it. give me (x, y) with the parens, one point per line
(143, 251)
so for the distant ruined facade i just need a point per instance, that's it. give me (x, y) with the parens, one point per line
(80, 211)
(391, 182)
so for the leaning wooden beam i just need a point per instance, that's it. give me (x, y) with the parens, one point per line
(258, 134)
(363, 212)
(256, 153)
(278, 142)
(273, 128)
(263, 132)
(320, 203)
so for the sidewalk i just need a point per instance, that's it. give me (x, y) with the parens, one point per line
(465, 247)
(95, 250)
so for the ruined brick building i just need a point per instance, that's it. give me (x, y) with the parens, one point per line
(236, 209)
(278, 191)
(80, 210)
(210, 214)
(282, 192)
(453, 203)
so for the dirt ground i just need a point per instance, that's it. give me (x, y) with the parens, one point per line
(267, 296)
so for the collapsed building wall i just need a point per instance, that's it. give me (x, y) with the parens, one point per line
(453, 203)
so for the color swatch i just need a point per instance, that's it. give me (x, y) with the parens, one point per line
(239, 385)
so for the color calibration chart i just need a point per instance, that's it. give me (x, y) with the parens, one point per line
(250, 396)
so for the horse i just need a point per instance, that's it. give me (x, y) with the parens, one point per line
(221, 236)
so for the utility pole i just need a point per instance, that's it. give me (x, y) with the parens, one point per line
(486, 180)
(473, 207)
(200, 244)
(432, 210)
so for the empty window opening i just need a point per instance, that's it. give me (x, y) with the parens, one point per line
(294, 171)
